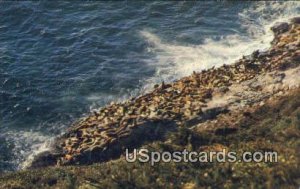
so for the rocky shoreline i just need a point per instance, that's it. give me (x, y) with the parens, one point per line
(192, 102)
(251, 105)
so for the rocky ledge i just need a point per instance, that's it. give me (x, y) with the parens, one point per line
(195, 102)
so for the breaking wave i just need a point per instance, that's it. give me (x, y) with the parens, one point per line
(173, 61)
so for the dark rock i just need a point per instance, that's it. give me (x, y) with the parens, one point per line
(212, 113)
(255, 54)
(296, 20)
(44, 159)
(252, 66)
(280, 27)
(225, 131)
(247, 114)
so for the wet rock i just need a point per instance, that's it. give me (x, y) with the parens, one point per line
(280, 27)
(44, 159)
(296, 20)
(255, 54)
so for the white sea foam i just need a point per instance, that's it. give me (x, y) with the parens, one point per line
(26, 144)
(174, 61)
(35, 149)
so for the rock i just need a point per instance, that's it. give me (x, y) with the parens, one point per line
(296, 20)
(44, 159)
(280, 27)
(255, 54)
(225, 131)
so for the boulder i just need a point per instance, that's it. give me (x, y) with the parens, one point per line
(43, 159)
(280, 27)
(296, 20)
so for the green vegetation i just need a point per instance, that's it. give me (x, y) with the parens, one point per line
(272, 127)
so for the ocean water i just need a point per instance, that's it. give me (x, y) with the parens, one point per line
(59, 60)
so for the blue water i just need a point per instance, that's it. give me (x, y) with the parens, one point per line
(59, 60)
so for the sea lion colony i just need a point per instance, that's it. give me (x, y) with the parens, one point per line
(180, 102)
